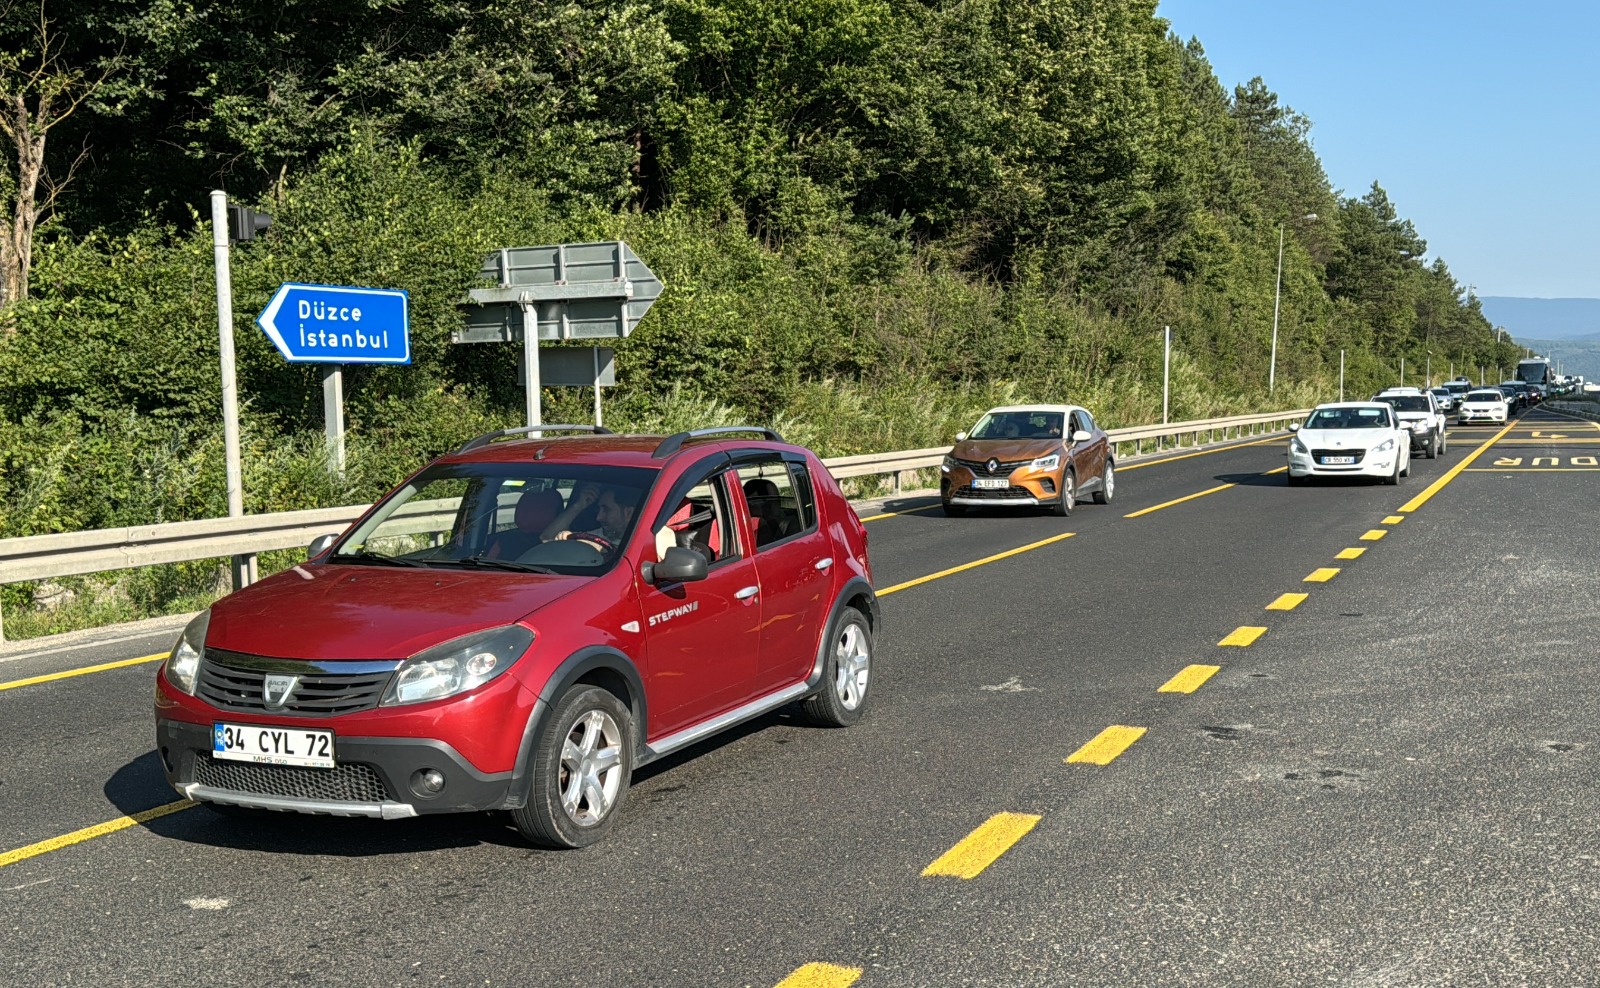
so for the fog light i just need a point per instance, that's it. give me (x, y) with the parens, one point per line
(1048, 485)
(427, 782)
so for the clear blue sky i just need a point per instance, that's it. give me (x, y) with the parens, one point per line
(1480, 117)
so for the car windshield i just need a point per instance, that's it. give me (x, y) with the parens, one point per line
(1018, 425)
(531, 517)
(1486, 396)
(1407, 403)
(1347, 418)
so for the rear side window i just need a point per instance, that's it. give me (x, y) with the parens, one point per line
(779, 496)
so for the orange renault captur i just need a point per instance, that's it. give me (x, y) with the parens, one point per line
(1028, 456)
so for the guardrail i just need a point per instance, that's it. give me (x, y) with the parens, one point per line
(1582, 409)
(44, 557)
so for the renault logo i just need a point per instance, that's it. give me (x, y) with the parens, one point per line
(993, 465)
(276, 690)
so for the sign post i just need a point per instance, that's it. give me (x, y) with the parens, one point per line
(558, 292)
(335, 325)
(243, 566)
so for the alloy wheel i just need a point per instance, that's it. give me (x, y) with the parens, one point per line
(853, 662)
(591, 768)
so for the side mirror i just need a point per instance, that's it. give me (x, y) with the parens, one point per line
(320, 544)
(961, 436)
(1081, 436)
(1294, 426)
(678, 565)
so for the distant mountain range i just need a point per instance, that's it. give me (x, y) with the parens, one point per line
(1531, 319)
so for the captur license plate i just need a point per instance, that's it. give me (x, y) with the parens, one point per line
(272, 745)
(991, 484)
(1334, 461)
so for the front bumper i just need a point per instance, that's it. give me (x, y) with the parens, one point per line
(1025, 487)
(374, 777)
(1371, 465)
(1469, 417)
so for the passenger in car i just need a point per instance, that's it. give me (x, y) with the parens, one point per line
(535, 511)
(766, 510)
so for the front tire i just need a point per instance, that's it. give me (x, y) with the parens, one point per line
(1431, 450)
(582, 761)
(1108, 483)
(1069, 494)
(846, 674)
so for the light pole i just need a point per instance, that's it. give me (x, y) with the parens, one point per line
(1277, 298)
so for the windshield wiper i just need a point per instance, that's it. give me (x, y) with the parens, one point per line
(502, 564)
(372, 557)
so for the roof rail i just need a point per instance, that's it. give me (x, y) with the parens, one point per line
(490, 437)
(672, 444)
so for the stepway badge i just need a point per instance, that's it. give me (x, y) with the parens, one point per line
(333, 324)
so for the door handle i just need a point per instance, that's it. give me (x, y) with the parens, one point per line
(823, 564)
(747, 593)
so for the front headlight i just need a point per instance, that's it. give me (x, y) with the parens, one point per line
(1047, 462)
(948, 464)
(182, 667)
(1296, 446)
(458, 665)
(1384, 446)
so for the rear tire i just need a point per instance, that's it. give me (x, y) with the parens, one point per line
(1069, 494)
(1108, 484)
(846, 674)
(582, 761)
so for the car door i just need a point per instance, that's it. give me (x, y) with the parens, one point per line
(1087, 456)
(794, 560)
(702, 638)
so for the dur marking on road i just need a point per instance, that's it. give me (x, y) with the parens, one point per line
(1242, 636)
(983, 847)
(821, 976)
(1189, 680)
(1107, 745)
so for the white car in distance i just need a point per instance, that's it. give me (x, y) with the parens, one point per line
(1484, 405)
(1350, 439)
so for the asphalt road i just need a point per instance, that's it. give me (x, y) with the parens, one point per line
(1393, 784)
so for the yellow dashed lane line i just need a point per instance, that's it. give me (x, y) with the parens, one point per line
(1189, 680)
(89, 833)
(981, 848)
(1107, 745)
(1373, 535)
(1288, 601)
(1351, 553)
(1394, 519)
(821, 976)
(1243, 636)
(1322, 575)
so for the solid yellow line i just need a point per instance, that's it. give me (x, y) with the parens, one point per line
(1321, 575)
(972, 565)
(1204, 452)
(89, 833)
(1288, 602)
(1394, 519)
(981, 848)
(1107, 745)
(821, 975)
(1452, 473)
(1243, 636)
(1352, 553)
(35, 680)
(1374, 534)
(1180, 500)
(1189, 680)
(896, 514)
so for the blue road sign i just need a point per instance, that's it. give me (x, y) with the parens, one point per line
(330, 324)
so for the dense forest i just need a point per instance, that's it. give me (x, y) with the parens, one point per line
(874, 217)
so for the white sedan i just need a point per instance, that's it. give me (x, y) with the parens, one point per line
(1484, 405)
(1350, 439)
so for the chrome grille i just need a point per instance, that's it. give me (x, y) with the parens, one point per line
(982, 466)
(234, 680)
(352, 782)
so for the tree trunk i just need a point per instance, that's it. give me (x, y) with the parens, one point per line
(18, 251)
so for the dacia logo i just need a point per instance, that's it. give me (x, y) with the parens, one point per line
(666, 616)
(276, 690)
